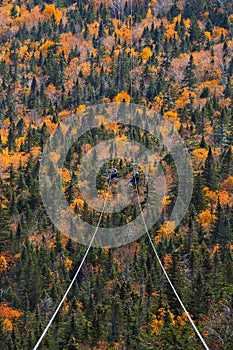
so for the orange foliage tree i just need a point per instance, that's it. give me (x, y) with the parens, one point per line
(123, 96)
(146, 54)
(46, 45)
(228, 184)
(206, 218)
(9, 316)
(124, 33)
(51, 10)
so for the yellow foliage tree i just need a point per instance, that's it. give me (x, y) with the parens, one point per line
(182, 319)
(208, 35)
(3, 263)
(200, 153)
(45, 47)
(206, 218)
(85, 67)
(158, 321)
(78, 201)
(172, 116)
(93, 28)
(80, 109)
(218, 31)
(216, 248)
(66, 175)
(231, 18)
(228, 184)
(149, 13)
(8, 325)
(177, 19)
(211, 195)
(156, 324)
(124, 33)
(123, 96)
(185, 98)
(146, 54)
(225, 198)
(166, 230)
(170, 32)
(68, 264)
(50, 10)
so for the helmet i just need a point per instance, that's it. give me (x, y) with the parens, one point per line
(137, 173)
(115, 170)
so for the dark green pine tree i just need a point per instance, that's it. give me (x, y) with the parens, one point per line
(12, 176)
(210, 171)
(209, 26)
(4, 337)
(193, 8)
(226, 163)
(21, 183)
(32, 96)
(225, 49)
(20, 126)
(228, 88)
(221, 231)
(198, 197)
(190, 79)
(5, 231)
(12, 203)
(195, 31)
(174, 11)
(70, 190)
(15, 339)
(11, 138)
(203, 143)
(205, 92)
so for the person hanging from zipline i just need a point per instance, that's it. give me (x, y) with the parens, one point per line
(112, 176)
(134, 179)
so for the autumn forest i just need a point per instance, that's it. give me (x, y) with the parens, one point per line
(58, 58)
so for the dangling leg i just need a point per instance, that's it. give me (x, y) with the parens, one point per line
(128, 182)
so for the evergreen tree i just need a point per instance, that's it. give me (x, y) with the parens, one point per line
(4, 339)
(4, 228)
(226, 163)
(195, 31)
(198, 197)
(190, 79)
(118, 290)
(210, 172)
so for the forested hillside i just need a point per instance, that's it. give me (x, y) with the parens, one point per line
(56, 59)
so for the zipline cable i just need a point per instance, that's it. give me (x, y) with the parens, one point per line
(93, 237)
(140, 207)
(73, 280)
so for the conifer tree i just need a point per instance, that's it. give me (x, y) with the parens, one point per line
(190, 79)
(210, 172)
(226, 163)
(195, 31)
